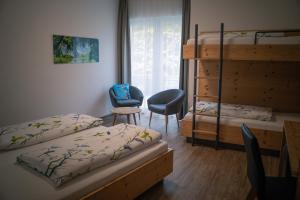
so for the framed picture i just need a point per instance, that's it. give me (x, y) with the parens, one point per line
(68, 49)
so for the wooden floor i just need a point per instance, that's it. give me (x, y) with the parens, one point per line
(200, 172)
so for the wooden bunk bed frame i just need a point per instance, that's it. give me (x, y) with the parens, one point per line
(136, 181)
(255, 74)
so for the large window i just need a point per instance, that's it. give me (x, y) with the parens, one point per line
(155, 52)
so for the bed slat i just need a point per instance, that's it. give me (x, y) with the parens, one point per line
(230, 134)
(260, 52)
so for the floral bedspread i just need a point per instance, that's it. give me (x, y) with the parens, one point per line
(234, 110)
(70, 156)
(37, 131)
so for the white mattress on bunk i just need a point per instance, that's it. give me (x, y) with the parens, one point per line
(234, 110)
(245, 38)
(19, 183)
(276, 124)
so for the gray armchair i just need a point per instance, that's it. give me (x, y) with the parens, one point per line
(167, 102)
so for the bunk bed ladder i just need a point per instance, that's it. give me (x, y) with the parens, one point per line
(217, 98)
(220, 84)
(195, 84)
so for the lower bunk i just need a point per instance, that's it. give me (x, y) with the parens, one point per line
(268, 133)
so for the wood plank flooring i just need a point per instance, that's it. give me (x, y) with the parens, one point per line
(199, 172)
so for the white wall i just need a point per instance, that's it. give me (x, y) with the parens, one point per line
(243, 15)
(31, 86)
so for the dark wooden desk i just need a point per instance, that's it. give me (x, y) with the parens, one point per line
(290, 152)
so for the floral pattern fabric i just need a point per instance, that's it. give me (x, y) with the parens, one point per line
(234, 110)
(37, 131)
(65, 158)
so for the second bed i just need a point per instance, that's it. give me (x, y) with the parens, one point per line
(266, 125)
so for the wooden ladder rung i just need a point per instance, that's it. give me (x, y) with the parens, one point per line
(203, 132)
(207, 96)
(207, 78)
(203, 114)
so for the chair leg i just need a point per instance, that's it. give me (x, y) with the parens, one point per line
(128, 119)
(139, 114)
(134, 119)
(177, 120)
(150, 118)
(115, 118)
(166, 118)
(252, 194)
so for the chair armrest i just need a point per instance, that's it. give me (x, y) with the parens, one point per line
(174, 106)
(136, 93)
(113, 98)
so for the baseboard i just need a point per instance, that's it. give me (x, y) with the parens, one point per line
(108, 115)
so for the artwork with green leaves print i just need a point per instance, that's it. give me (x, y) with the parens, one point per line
(68, 49)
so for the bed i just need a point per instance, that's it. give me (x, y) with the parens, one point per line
(248, 37)
(129, 174)
(269, 133)
(247, 45)
(260, 68)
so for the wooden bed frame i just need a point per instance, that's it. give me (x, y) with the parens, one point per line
(246, 52)
(270, 140)
(253, 74)
(136, 181)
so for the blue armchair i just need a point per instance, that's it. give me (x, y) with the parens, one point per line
(167, 102)
(136, 99)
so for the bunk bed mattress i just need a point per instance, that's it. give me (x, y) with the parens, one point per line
(234, 110)
(245, 39)
(27, 185)
(276, 124)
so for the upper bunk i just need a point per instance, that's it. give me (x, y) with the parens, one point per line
(247, 45)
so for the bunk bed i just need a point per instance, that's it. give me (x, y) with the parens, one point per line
(257, 68)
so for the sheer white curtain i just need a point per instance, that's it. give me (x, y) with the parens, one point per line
(155, 38)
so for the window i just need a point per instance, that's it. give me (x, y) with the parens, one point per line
(155, 52)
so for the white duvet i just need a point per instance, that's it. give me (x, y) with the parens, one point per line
(79, 153)
(37, 131)
(234, 110)
(246, 37)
